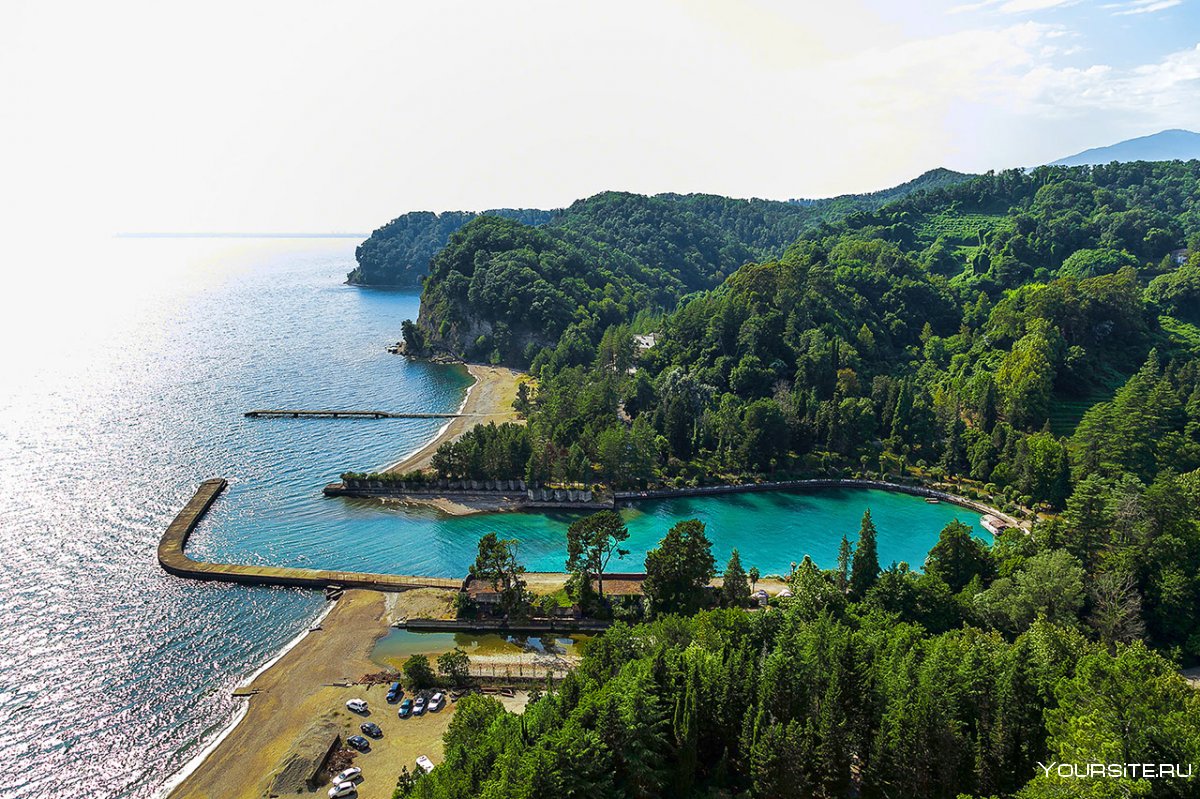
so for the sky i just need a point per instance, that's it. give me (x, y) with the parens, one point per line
(123, 117)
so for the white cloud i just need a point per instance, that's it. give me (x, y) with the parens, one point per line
(306, 116)
(1166, 91)
(1143, 6)
(1015, 6)
(1026, 6)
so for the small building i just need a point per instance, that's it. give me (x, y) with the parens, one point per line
(619, 584)
(644, 341)
(993, 524)
(481, 592)
(616, 585)
(760, 597)
(784, 592)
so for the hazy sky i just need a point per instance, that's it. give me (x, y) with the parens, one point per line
(301, 116)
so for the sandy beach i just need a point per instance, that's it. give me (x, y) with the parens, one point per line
(309, 686)
(489, 399)
(302, 696)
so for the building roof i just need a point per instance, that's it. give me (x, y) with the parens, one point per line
(615, 584)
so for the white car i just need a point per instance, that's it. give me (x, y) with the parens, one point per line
(349, 775)
(436, 701)
(357, 705)
(425, 763)
(342, 789)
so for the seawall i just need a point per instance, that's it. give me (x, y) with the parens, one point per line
(174, 560)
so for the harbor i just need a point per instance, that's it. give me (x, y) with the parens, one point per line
(173, 559)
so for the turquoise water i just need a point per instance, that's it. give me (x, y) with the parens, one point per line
(123, 393)
(770, 529)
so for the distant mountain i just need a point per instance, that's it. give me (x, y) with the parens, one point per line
(1169, 145)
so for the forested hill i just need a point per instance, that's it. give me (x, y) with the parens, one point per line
(1030, 340)
(927, 181)
(398, 254)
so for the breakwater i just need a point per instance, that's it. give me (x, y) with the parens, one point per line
(174, 560)
(504, 493)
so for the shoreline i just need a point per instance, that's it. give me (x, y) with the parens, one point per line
(488, 399)
(240, 710)
(306, 682)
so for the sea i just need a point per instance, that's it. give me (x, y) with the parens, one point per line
(126, 386)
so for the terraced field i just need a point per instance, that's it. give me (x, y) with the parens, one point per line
(955, 226)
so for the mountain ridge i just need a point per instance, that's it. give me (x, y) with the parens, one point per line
(1174, 144)
(398, 254)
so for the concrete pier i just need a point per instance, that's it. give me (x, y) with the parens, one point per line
(174, 560)
(299, 413)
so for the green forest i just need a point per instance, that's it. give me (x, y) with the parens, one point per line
(397, 254)
(1028, 338)
(689, 229)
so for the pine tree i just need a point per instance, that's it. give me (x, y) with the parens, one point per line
(843, 565)
(864, 571)
(735, 588)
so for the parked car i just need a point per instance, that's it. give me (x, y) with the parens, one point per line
(436, 701)
(357, 705)
(419, 706)
(406, 708)
(395, 692)
(425, 763)
(358, 742)
(371, 729)
(343, 789)
(349, 775)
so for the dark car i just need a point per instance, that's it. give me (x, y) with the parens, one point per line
(395, 692)
(358, 742)
(372, 729)
(405, 708)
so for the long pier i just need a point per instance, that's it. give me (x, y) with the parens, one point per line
(287, 413)
(174, 560)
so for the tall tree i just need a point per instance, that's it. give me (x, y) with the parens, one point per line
(864, 570)
(958, 556)
(591, 544)
(679, 570)
(735, 589)
(497, 564)
(843, 565)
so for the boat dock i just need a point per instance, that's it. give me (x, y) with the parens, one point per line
(174, 560)
(287, 413)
